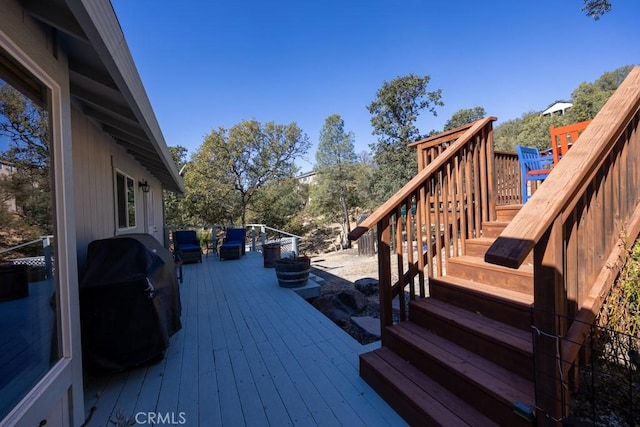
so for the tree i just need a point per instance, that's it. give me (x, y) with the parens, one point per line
(174, 209)
(231, 166)
(588, 98)
(335, 192)
(532, 129)
(279, 203)
(464, 116)
(394, 112)
(596, 8)
(25, 124)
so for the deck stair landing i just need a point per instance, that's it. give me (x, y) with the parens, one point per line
(465, 355)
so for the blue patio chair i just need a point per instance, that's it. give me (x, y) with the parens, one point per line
(233, 244)
(533, 167)
(187, 246)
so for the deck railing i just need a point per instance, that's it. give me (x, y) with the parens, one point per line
(578, 224)
(508, 178)
(431, 217)
(43, 261)
(257, 235)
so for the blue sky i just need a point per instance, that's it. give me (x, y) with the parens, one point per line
(207, 64)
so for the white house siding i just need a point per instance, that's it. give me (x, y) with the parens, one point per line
(85, 160)
(96, 158)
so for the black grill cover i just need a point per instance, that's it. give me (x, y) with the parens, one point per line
(129, 302)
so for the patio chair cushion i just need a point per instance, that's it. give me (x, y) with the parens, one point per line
(236, 235)
(231, 250)
(186, 243)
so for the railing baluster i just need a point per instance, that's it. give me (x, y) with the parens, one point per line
(428, 228)
(420, 221)
(400, 262)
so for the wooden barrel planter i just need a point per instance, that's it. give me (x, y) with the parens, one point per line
(14, 282)
(271, 253)
(293, 272)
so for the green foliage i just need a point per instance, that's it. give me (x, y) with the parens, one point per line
(279, 204)
(596, 8)
(335, 192)
(25, 125)
(231, 166)
(621, 311)
(336, 145)
(175, 213)
(464, 116)
(588, 98)
(532, 129)
(393, 116)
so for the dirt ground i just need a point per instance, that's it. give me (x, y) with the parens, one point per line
(345, 265)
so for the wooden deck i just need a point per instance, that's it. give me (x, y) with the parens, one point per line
(249, 353)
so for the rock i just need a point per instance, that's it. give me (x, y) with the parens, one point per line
(368, 286)
(370, 324)
(341, 306)
(331, 307)
(354, 300)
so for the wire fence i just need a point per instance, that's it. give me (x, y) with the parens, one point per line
(602, 387)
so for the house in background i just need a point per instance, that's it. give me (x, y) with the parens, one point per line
(557, 108)
(307, 178)
(109, 165)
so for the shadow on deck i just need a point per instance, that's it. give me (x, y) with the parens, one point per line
(249, 353)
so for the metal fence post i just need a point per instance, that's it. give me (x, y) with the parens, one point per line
(48, 264)
(294, 245)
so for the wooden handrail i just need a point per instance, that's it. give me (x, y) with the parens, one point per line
(391, 205)
(577, 224)
(446, 136)
(429, 220)
(562, 189)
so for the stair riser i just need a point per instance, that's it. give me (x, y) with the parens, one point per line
(499, 277)
(511, 313)
(505, 213)
(507, 357)
(474, 394)
(410, 413)
(490, 229)
(479, 248)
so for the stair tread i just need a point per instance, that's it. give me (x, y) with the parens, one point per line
(515, 206)
(526, 269)
(482, 240)
(495, 291)
(497, 380)
(496, 223)
(492, 329)
(442, 405)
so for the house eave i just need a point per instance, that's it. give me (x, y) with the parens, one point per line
(104, 81)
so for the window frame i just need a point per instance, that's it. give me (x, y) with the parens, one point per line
(125, 201)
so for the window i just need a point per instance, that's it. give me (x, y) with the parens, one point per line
(30, 293)
(126, 201)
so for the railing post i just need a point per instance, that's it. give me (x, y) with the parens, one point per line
(48, 264)
(294, 245)
(384, 266)
(253, 238)
(492, 179)
(549, 323)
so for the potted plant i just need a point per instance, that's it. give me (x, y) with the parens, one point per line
(293, 271)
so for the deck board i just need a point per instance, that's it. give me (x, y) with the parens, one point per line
(249, 353)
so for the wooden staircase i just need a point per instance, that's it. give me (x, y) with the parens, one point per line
(465, 355)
